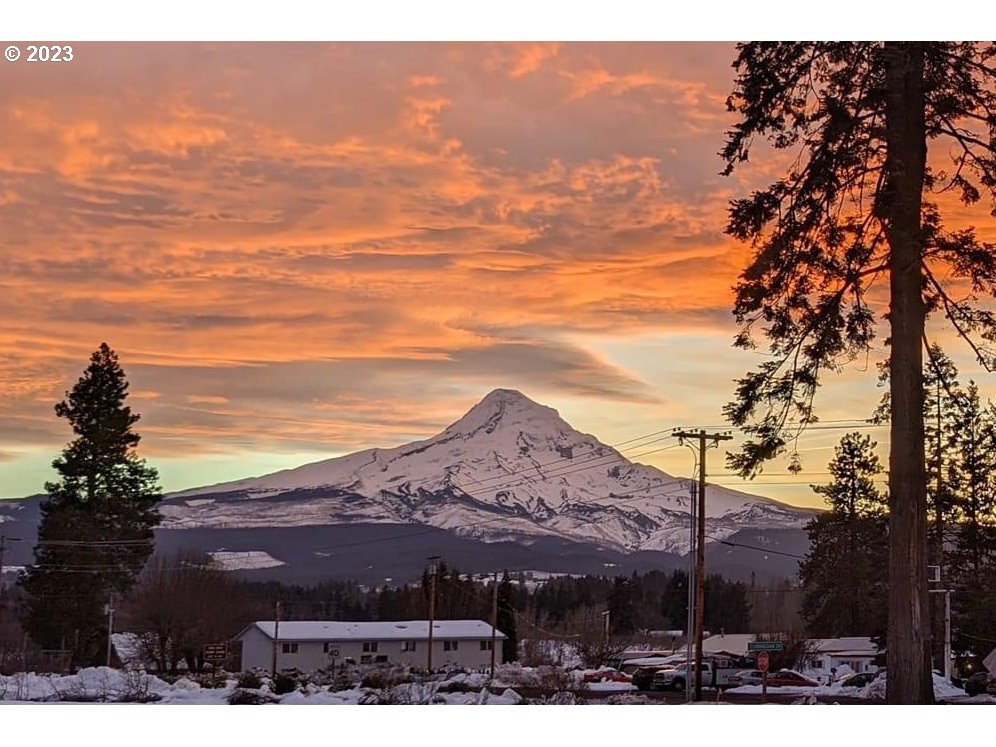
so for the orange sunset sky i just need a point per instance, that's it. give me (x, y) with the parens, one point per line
(300, 250)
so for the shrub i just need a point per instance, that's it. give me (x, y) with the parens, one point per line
(405, 694)
(207, 680)
(250, 697)
(250, 681)
(137, 688)
(342, 681)
(285, 683)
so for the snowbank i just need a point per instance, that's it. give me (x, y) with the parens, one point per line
(104, 685)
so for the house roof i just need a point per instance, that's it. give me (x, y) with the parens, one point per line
(727, 643)
(400, 630)
(851, 645)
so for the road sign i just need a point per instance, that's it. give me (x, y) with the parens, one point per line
(333, 652)
(763, 661)
(764, 646)
(215, 651)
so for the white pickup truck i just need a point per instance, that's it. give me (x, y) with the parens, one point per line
(677, 678)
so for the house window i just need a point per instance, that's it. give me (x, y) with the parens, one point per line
(818, 664)
(365, 659)
(370, 647)
(450, 645)
(408, 646)
(485, 645)
(289, 648)
(381, 659)
(330, 647)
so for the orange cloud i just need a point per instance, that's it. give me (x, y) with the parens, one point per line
(302, 248)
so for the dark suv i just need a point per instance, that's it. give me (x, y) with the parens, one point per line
(981, 683)
(643, 677)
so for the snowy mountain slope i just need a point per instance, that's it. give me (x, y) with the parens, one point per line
(510, 469)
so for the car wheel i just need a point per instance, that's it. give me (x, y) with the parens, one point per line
(678, 684)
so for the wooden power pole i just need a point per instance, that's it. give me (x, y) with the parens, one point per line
(494, 623)
(110, 626)
(432, 607)
(276, 638)
(702, 437)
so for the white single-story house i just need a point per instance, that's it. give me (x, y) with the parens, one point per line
(309, 645)
(826, 654)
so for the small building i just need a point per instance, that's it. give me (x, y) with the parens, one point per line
(309, 645)
(827, 654)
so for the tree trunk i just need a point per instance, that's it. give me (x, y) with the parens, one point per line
(908, 640)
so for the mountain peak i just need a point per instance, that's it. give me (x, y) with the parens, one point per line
(512, 396)
(502, 408)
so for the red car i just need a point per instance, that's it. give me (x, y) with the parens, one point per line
(607, 675)
(789, 678)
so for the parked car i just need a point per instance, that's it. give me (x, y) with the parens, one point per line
(643, 677)
(632, 665)
(859, 679)
(981, 683)
(675, 678)
(789, 678)
(746, 677)
(607, 675)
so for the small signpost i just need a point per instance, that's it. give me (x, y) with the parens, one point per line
(764, 661)
(215, 652)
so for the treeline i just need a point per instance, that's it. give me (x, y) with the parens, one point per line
(845, 574)
(180, 603)
(564, 605)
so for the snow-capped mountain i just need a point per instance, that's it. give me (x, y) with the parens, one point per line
(510, 469)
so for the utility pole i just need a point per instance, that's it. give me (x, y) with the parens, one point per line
(605, 630)
(276, 638)
(701, 436)
(3, 541)
(494, 623)
(690, 620)
(947, 629)
(432, 607)
(110, 625)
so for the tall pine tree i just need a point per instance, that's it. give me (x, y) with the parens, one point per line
(96, 529)
(853, 206)
(971, 561)
(843, 575)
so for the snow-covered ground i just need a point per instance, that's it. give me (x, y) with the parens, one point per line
(25, 723)
(105, 685)
(943, 690)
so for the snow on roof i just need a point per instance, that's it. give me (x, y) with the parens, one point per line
(328, 630)
(853, 645)
(728, 643)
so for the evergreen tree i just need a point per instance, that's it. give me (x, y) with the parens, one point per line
(506, 620)
(971, 566)
(726, 606)
(96, 528)
(942, 392)
(940, 382)
(845, 587)
(622, 606)
(854, 205)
